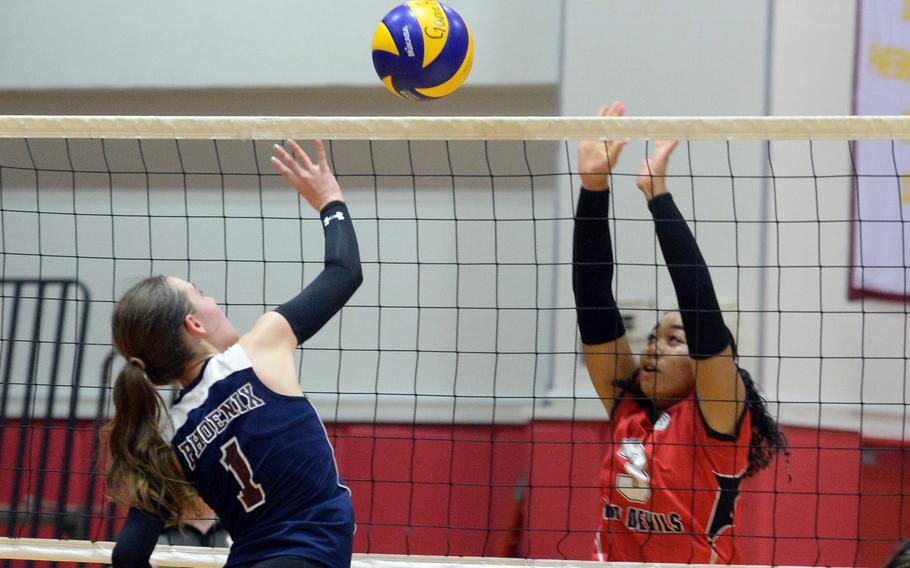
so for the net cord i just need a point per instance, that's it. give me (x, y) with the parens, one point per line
(196, 557)
(458, 128)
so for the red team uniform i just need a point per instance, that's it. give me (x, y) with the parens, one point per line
(670, 486)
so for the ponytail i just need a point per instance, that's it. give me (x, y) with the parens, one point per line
(143, 471)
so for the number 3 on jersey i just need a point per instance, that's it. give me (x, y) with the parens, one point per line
(251, 494)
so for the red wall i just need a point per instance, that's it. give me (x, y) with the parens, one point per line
(844, 503)
(411, 482)
(836, 501)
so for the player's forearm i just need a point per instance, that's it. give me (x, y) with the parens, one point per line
(599, 320)
(706, 333)
(339, 279)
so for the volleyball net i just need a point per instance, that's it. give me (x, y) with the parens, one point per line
(453, 385)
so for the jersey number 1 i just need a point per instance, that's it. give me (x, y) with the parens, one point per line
(251, 494)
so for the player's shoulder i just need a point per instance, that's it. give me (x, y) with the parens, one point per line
(209, 386)
(214, 370)
(232, 360)
(271, 331)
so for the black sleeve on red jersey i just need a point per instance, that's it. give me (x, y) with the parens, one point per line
(706, 332)
(341, 276)
(137, 540)
(599, 320)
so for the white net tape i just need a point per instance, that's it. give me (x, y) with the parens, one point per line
(100, 553)
(460, 128)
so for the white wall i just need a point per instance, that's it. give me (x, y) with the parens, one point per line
(664, 58)
(105, 44)
(862, 344)
(465, 278)
(830, 361)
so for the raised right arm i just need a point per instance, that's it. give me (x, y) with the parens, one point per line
(603, 336)
(607, 353)
(276, 334)
(341, 276)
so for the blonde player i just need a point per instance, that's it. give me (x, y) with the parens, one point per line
(245, 438)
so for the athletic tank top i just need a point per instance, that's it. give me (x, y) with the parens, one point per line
(670, 487)
(263, 462)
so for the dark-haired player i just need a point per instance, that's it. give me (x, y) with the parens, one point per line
(687, 424)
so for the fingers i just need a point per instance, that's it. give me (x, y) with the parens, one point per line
(666, 147)
(613, 149)
(280, 161)
(299, 165)
(651, 178)
(662, 151)
(320, 155)
(301, 162)
(287, 166)
(614, 109)
(302, 156)
(289, 176)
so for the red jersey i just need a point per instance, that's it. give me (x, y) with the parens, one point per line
(670, 487)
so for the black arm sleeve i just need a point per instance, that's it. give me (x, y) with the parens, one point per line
(327, 293)
(599, 320)
(706, 332)
(137, 540)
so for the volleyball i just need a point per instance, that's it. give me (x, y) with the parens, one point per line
(422, 50)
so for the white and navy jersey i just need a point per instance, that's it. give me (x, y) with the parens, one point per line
(264, 464)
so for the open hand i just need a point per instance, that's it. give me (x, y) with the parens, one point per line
(315, 182)
(597, 157)
(652, 180)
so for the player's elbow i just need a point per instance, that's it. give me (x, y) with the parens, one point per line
(346, 275)
(350, 277)
(356, 277)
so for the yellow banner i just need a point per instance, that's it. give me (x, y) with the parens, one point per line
(881, 233)
(890, 62)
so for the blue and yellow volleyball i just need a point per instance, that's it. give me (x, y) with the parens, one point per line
(422, 50)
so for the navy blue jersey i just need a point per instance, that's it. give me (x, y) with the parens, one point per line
(263, 462)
